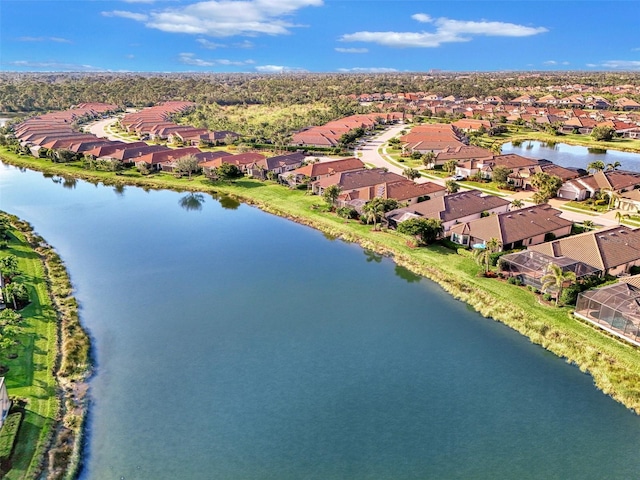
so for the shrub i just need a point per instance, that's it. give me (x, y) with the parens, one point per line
(8, 434)
(547, 297)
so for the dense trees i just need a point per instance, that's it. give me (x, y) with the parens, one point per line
(187, 165)
(500, 174)
(603, 133)
(426, 229)
(547, 187)
(411, 173)
(227, 171)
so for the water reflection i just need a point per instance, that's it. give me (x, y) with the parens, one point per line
(119, 190)
(372, 256)
(407, 274)
(192, 201)
(227, 202)
(69, 183)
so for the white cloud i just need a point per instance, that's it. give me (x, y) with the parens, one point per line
(222, 61)
(53, 66)
(446, 31)
(209, 44)
(191, 59)
(617, 65)
(140, 17)
(367, 70)
(224, 18)
(351, 50)
(244, 44)
(422, 18)
(44, 39)
(139, 1)
(278, 69)
(554, 62)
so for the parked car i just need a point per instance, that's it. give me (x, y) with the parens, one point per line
(458, 177)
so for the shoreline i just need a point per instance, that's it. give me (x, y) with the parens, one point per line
(61, 450)
(613, 364)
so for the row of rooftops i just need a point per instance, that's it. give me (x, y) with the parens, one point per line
(589, 99)
(329, 134)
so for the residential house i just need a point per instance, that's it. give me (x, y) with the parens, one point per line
(613, 250)
(314, 171)
(629, 201)
(458, 207)
(366, 184)
(129, 153)
(514, 229)
(242, 160)
(626, 104)
(165, 159)
(277, 165)
(460, 153)
(5, 403)
(616, 181)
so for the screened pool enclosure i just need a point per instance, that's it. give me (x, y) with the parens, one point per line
(530, 266)
(615, 308)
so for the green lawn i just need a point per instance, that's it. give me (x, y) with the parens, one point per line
(30, 374)
(614, 365)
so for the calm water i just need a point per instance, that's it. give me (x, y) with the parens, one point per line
(574, 156)
(232, 344)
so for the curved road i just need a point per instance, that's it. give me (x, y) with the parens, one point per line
(369, 154)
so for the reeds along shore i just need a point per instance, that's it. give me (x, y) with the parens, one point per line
(60, 456)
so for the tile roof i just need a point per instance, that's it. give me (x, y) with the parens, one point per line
(514, 226)
(457, 205)
(604, 249)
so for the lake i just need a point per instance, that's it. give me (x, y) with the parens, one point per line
(233, 344)
(572, 155)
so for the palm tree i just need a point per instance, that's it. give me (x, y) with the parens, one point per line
(331, 194)
(483, 255)
(452, 186)
(373, 211)
(556, 277)
(613, 166)
(517, 203)
(596, 166)
(428, 159)
(450, 166)
(620, 216)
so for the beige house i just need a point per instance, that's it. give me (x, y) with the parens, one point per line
(613, 250)
(451, 209)
(516, 229)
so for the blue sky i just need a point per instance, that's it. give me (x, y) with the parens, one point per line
(318, 35)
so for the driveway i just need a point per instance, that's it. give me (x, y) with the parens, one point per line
(99, 128)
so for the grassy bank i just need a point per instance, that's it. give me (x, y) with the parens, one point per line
(613, 364)
(48, 374)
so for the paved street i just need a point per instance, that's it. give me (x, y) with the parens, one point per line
(371, 156)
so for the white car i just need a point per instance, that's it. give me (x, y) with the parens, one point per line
(458, 177)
